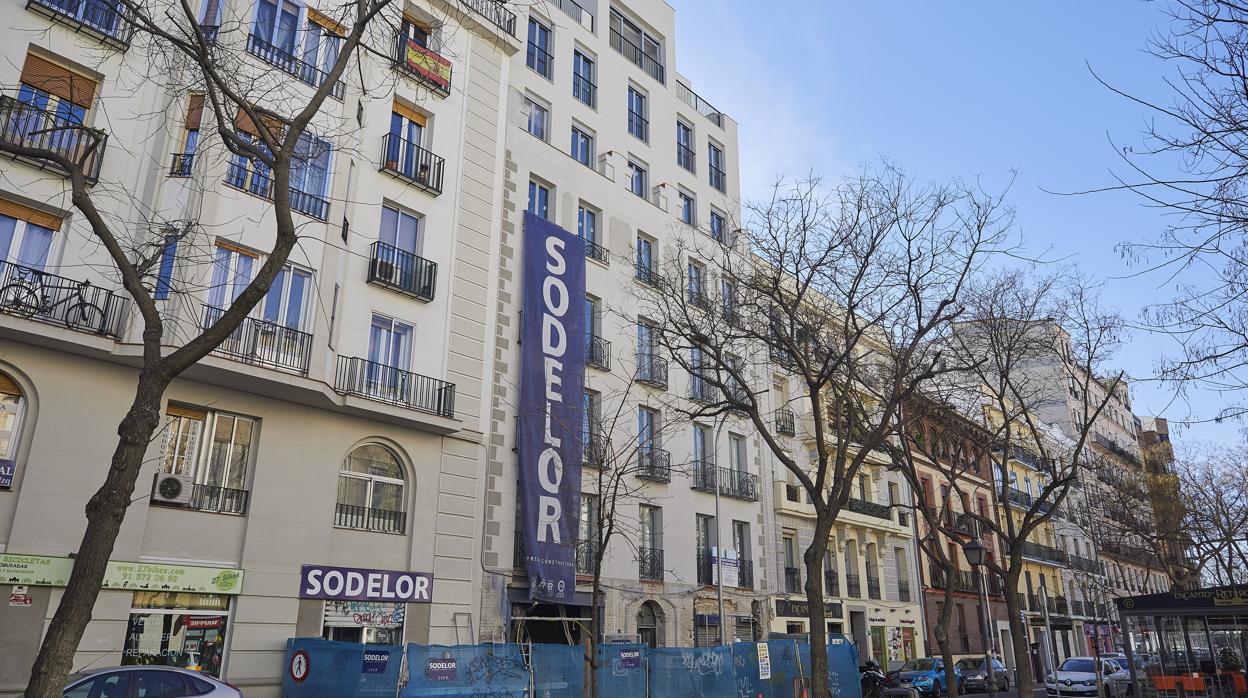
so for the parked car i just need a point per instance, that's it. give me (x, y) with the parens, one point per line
(974, 677)
(926, 675)
(1077, 677)
(146, 682)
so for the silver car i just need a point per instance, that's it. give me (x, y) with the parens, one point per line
(146, 682)
(1077, 677)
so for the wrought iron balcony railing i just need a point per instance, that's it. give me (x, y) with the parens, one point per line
(853, 586)
(700, 390)
(254, 181)
(107, 20)
(903, 591)
(639, 57)
(646, 274)
(873, 587)
(706, 566)
(586, 556)
(287, 62)
(597, 450)
(598, 352)
(1083, 564)
(26, 126)
(402, 271)
(394, 386)
(654, 464)
(686, 158)
(745, 574)
(222, 500)
(831, 583)
(650, 564)
(597, 252)
(697, 298)
(37, 295)
(792, 580)
(652, 370)
(861, 506)
(369, 519)
(732, 483)
(264, 343)
(1043, 552)
(496, 11)
(412, 163)
(423, 63)
(182, 164)
(786, 423)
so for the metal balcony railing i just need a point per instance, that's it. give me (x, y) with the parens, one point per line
(107, 20)
(650, 564)
(793, 493)
(792, 580)
(861, 506)
(369, 519)
(745, 574)
(182, 164)
(697, 298)
(853, 586)
(287, 62)
(1043, 552)
(873, 587)
(640, 58)
(732, 483)
(37, 295)
(786, 422)
(706, 566)
(597, 450)
(496, 11)
(1083, 564)
(394, 386)
(654, 464)
(25, 125)
(264, 343)
(412, 163)
(539, 59)
(402, 271)
(717, 178)
(584, 89)
(831, 583)
(700, 390)
(423, 63)
(652, 370)
(598, 352)
(586, 555)
(686, 158)
(597, 252)
(222, 500)
(903, 591)
(646, 274)
(639, 125)
(574, 10)
(688, 96)
(260, 182)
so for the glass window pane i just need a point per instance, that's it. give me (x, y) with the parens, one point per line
(352, 491)
(388, 496)
(36, 246)
(299, 281)
(219, 459)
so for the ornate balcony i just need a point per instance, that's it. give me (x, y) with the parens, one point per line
(597, 451)
(597, 252)
(654, 464)
(25, 125)
(394, 386)
(652, 371)
(37, 295)
(732, 483)
(109, 21)
(598, 352)
(264, 343)
(287, 62)
(860, 506)
(792, 580)
(650, 564)
(786, 423)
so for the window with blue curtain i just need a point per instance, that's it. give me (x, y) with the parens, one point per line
(25, 243)
(286, 301)
(231, 272)
(164, 275)
(277, 24)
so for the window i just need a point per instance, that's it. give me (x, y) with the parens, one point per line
(587, 535)
(719, 229)
(684, 146)
(636, 45)
(647, 426)
(728, 300)
(736, 453)
(370, 491)
(715, 165)
(309, 169)
(645, 259)
(399, 230)
(539, 199)
(583, 86)
(154, 683)
(539, 119)
(288, 299)
(650, 544)
(702, 444)
(648, 624)
(231, 272)
(214, 450)
(276, 26)
(704, 531)
(52, 97)
(183, 160)
(741, 540)
(414, 31)
(12, 413)
(538, 57)
(582, 146)
(322, 42)
(638, 124)
(405, 153)
(591, 417)
(387, 376)
(587, 224)
(696, 280)
(637, 179)
(688, 208)
(23, 242)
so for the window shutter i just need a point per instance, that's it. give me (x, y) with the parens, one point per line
(195, 112)
(325, 22)
(8, 386)
(408, 113)
(189, 412)
(244, 123)
(30, 215)
(62, 82)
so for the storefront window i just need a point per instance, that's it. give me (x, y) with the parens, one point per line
(370, 622)
(177, 629)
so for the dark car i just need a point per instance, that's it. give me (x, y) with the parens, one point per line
(974, 678)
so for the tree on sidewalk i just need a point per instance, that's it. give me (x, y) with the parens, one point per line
(841, 290)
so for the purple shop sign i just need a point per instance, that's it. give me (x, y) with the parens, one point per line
(8, 468)
(376, 661)
(630, 659)
(441, 669)
(352, 584)
(552, 380)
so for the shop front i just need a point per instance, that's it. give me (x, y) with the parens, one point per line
(364, 605)
(1185, 642)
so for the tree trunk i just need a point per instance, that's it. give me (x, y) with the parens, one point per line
(941, 634)
(1025, 678)
(105, 512)
(813, 559)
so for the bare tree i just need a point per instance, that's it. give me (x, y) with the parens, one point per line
(261, 119)
(1213, 488)
(843, 288)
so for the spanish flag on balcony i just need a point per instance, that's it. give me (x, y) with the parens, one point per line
(428, 64)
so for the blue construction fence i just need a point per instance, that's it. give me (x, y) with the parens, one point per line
(318, 668)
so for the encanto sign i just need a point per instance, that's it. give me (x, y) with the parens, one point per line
(42, 570)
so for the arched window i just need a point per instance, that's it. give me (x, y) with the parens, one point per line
(12, 413)
(372, 491)
(648, 620)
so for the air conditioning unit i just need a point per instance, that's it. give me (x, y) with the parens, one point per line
(172, 489)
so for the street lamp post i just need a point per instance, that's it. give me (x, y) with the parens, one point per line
(977, 554)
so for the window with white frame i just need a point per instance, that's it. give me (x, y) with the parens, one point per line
(539, 199)
(638, 121)
(583, 78)
(538, 56)
(25, 243)
(372, 491)
(538, 122)
(213, 449)
(582, 145)
(637, 179)
(688, 208)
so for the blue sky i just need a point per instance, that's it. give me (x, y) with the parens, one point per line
(969, 89)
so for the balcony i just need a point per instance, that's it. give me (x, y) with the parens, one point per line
(412, 163)
(423, 63)
(496, 11)
(745, 574)
(903, 591)
(873, 587)
(732, 483)
(1058, 606)
(368, 519)
(647, 275)
(706, 567)
(640, 58)
(698, 299)
(853, 586)
(260, 183)
(216, 500)
(1083, 564)
(699, 105)
(287, 62)
(860, 506)
(717, 178)
(585, 90)
(1047, 553)
(24, 125)
(597, 252)
(182, 164)
(37, 295)
(652, 371)
(650, 564)
(264, 343)
(598, 352)
(700, 390)
(586, 556)
(792, 580)
(402, 271)
(574, 10)
(654, 464)
(786, 422)
(597, 451)
(107, 20)
(394, 386)
(831, 583)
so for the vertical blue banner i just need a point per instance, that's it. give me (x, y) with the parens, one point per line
(552, 383)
